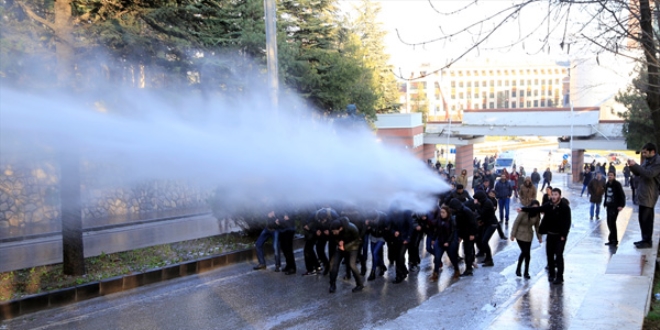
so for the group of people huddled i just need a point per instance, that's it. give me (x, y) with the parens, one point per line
(458, 223)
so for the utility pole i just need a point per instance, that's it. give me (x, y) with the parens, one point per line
(271, 49)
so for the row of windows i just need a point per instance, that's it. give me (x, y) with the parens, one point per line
(506, 94)
(507, 83)
(512, 72)
(506, 105)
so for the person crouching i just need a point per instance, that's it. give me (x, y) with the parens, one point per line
(347, 237)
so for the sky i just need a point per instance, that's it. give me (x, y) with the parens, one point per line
(420, 22)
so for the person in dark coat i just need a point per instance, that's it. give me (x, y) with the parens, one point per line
(316, 239)
(596, 191)
(466, 227)
(487, 225)
(273, 226)
(347, 237)
(647, 185)
(444, 239)
(378, 227)
(503, 192)
(556, 223)
(615, 201)
(547, 178)
(287, 233)
(626, 175)
(586, 178)
(536, 178)
(401, 226)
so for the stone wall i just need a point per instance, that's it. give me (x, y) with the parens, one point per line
(30, 198)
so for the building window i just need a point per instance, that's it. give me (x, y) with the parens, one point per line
(529, 104)
(549, 92)
(542, 103)
(513, 105)
(483, 83)
(483, 94)
(460, 84)
(491, 105)
(536, 92)
(469, 83)
(499, 83)
(522, 82)
(492, 94)
(476, 106)
(543, 82)
(529, 92)
(513, 93)
(550, 103)
(506, 104)
(529, 82)
(513, 83)
(536, 103)
(460, 95)
(492, 83)
(453, 84)
(506, 83)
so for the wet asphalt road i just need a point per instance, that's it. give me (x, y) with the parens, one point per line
(236, 297)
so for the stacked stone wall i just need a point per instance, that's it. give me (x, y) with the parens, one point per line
(30, 196)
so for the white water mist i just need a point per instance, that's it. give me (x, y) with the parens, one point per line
(247, 149)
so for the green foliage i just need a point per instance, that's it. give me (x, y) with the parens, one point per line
(638, 127)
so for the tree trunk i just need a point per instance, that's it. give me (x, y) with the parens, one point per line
(63, 27)
(648, 44)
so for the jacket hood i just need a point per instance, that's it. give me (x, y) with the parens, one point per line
(455, 204)
(480, 196)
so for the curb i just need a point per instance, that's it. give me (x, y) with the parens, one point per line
(58, 298)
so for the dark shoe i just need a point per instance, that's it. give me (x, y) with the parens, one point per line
(347, 276)
(527, 277)
(597, 218)
(467, 273)
(333, 288)
(518, 273)
(644, 245)
(638, 242)
(363, 271)
(558, 280)
(591, 218)
(434, 277)
(382, 271)
(358, 288)
(488, 263)
(551, 278)
(372, 275)
(456, 275)
(290, 272)
(277, 269)
(259, 267)
(326, 271)
(612, 243)
(481, 254)
(311, 272)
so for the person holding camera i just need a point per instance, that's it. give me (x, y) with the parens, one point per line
(647, 191)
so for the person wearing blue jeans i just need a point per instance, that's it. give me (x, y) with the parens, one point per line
(271, 230)
(596, 190)
(377, 227)
(586, 180)
(503, 191)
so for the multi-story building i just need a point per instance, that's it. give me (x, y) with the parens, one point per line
(486, 84)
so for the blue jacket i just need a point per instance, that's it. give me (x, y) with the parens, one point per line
(503, 189)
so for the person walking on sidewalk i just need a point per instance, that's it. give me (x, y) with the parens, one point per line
(466, 228)
(547, 178)
(487, 225)
(557, 224)
(615, 201)
(586, 178)
(596, 191)
(626, 175)
(527, 192)
(523, 234)
(503, 191)
(536, 178)
(647, 191)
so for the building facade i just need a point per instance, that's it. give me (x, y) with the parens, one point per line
(485, 84)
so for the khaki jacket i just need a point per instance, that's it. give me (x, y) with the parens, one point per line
(522, 227)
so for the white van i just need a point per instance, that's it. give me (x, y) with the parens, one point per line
(505, 160)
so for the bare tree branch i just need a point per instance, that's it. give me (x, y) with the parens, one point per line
(36, 17)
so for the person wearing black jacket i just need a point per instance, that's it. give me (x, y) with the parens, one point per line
(487, 225)
(348, 241)
(444, 239)
(466, 227)
(556, 223)
(274, 223)
(401, 227)
(378, 229)
(615, 201)
(287, 232)
(316, 238)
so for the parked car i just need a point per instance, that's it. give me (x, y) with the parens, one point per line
(617, 158)
(590, 157)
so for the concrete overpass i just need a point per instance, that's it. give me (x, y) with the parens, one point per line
(584, 124)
